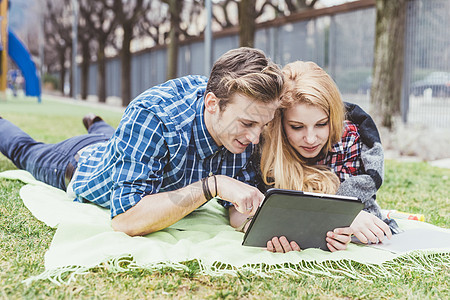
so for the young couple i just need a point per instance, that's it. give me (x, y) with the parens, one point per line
(190, 139)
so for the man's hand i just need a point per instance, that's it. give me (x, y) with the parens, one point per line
(367, 227)
(244, 197)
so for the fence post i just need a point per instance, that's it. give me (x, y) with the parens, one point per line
(408, 60)
(331, 48)
(74, 88)
(208, 37)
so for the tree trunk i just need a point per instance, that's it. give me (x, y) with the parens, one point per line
(388, 61)
(172, 55)
(85, 69)
(126, 65)
(62, 73)
(72, 91)
(247, 26)
(101, 71)
(172, 49)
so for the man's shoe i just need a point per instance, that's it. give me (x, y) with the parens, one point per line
(90, 119)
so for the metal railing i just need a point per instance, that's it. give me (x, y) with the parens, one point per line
(341, 40)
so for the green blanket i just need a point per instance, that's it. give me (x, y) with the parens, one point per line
(84, 239)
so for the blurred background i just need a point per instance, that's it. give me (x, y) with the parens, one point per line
(109, 51)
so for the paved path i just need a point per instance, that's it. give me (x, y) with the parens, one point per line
(112, 103)
(441, 163)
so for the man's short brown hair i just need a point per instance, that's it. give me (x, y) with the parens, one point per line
(246, 71)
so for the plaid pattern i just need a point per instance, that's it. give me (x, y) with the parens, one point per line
(344, 158)
(161, 144)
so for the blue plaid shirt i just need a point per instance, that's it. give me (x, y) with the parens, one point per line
(161, 144)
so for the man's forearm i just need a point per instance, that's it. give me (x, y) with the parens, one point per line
(158, 211)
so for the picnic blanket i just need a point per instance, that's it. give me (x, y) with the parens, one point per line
(84, 239)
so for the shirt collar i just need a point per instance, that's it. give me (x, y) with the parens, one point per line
(315, 160)
(206, 146)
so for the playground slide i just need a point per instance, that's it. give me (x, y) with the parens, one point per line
(20, 55)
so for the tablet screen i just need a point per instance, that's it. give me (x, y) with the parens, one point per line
(301, 217)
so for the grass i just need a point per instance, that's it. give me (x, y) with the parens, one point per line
(412, 187)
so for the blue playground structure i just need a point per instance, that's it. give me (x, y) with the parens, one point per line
(20, 55)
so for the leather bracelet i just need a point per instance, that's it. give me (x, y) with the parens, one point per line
(205, 186)
(206, 191)
(215, 184)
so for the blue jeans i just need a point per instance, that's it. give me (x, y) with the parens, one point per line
(47, 162)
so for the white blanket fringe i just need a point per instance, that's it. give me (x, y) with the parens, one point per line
(417, 261)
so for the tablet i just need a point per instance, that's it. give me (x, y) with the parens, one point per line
(300, 216)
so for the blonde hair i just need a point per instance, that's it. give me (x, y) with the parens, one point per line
(281, 165)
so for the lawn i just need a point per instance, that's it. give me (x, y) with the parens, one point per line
(412, 187)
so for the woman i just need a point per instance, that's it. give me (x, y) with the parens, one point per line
(308, 136)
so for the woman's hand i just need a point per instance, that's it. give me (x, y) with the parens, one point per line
(367, 227)
(282, 245)
(336, 240)
(339, 238)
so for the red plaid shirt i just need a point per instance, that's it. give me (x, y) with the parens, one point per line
(344, 158)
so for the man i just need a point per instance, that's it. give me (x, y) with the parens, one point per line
(156, 168)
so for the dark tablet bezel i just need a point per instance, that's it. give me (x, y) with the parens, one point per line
(316, 231)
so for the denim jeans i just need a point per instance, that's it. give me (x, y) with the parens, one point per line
(47, 162)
